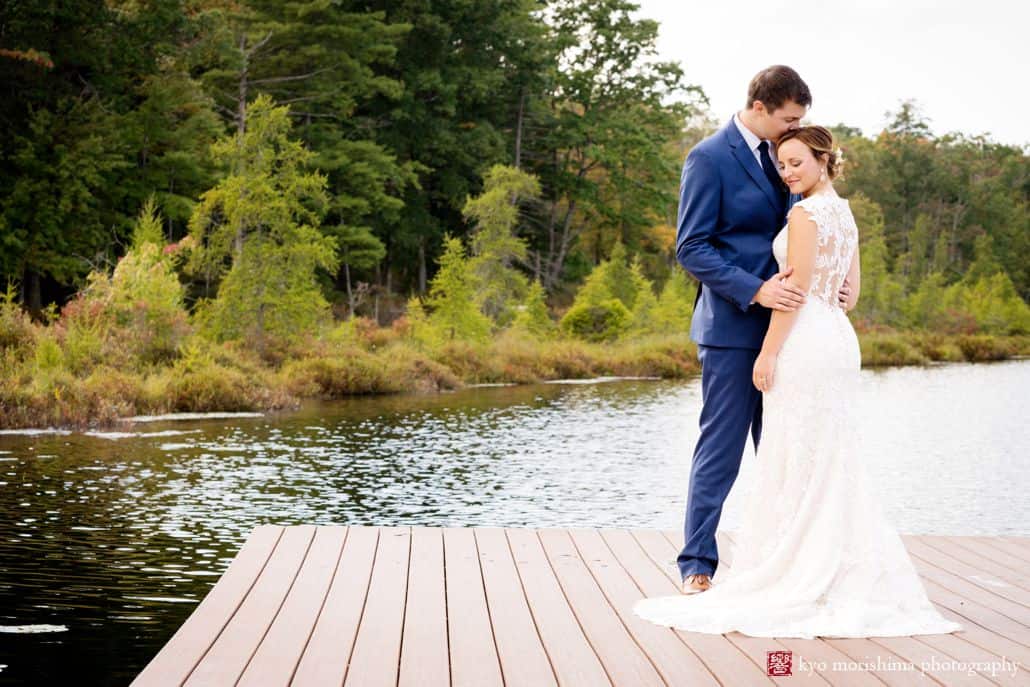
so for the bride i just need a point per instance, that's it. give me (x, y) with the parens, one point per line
(815, 556)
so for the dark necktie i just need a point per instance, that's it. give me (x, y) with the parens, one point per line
(770, 169)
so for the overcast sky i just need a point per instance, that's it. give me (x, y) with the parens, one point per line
(967, 64)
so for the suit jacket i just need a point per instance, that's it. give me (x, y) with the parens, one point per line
(729, 213)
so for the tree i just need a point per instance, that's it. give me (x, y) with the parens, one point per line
(258, 232)
(495, 247)
(645, 303)
(359, 248)
(985, 263)
(133, 316)
(100, 112)
(912, 266)
(452, 301)
(331, 62)
(603, 158)
(465, 66)
(676, 303)
(532, 316)
(880, 296)
(604, 305)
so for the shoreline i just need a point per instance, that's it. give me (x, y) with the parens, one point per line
(236, 387)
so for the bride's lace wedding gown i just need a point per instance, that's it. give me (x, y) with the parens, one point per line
(815, 556)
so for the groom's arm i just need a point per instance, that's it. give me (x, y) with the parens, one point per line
(698, 217)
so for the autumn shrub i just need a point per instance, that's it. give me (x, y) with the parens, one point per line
(890, 349)
(604, 321)
(356, 372)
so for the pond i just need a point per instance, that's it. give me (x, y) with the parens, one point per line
(108, 540)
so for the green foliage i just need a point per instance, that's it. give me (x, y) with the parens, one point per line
(676, 303)
(645, 304)
(612, 278)
(359, 248)
(989, 305)
(617, 299)
(881, 294)
(17, 333)
(985, 263)
(997, 307)
(912, 266)
(357, 372)
(605, 320)
(938, 195)
(452, 298)
(601, 136)
(532, 315)
(134, 316)
(148, 226)
(262, 221)
(57, 204)
(495, 247)
(109, 117)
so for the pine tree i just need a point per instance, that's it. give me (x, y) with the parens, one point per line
(358, 248)
(452, 297)
(880, 296)
(257, 232)
(495, 247)
(532, 315)
(676, 303)
(645, 303)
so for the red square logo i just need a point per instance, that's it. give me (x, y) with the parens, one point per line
(778, 663)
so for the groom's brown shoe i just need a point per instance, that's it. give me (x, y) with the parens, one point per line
(696, 583)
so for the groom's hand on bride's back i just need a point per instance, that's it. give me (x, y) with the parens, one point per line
(844, 296)
(777, 293)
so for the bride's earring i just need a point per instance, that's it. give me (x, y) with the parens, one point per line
(822, 175)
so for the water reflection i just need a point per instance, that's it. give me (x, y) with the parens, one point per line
(109, 540)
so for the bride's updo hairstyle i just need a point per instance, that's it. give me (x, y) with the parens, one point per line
(819, 140)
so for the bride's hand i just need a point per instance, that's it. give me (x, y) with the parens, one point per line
(762, 375)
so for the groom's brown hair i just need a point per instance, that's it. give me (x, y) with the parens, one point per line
(776, 85)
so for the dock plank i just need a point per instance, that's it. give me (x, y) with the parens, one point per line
(227, 658)
(723, 655)
(375, 659)
(180, 655)
(863, 650)
(332, 639)
(624, 661)
(522, 655)
(1018, 548)
(474, 659)
(976, 576)
(754, 647)
(283, 645)
(986, 566)
(374, 605)
(574, 659)
(675, 665)
(425, 654)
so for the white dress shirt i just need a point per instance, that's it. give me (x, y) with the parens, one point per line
(752, 141)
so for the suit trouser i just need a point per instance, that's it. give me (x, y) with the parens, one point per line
(730, 404)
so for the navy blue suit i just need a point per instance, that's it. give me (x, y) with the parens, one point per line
(729, 213)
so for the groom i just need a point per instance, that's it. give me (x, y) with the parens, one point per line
(732, 204)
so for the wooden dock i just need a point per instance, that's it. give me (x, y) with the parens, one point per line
(481, 606)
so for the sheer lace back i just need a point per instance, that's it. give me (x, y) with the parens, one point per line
(837, 239)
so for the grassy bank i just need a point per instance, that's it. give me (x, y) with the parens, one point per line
(49, 387)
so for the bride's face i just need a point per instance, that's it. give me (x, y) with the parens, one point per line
(798, 165)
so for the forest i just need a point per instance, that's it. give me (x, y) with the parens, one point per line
(234, 205)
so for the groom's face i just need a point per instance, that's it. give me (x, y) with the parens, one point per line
(781, 120)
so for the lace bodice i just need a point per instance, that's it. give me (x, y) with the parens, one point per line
(837, 239)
